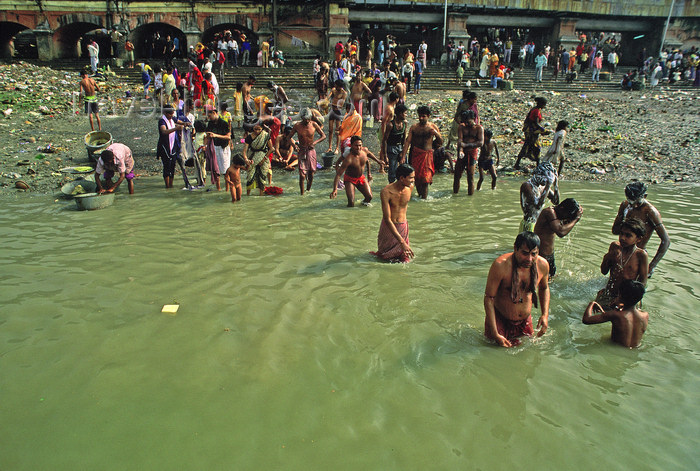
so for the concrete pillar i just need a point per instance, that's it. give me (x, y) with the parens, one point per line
(457, 28)
(339, 27)
(565, 33)
(193, 37)
(45, 44)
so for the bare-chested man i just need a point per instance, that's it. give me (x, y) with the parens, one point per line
(88, 86)
(351, 169)
(284, 149)
(392, 240)
(638, 207)
(388, 113)
(420, 140)
(248, 106)
(470, 138)
(357, 93)
(337, 99)
(510, 292)
(559, 220)
(306, 129)
(400, 90)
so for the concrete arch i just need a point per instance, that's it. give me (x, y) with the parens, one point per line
(142, 38)
(78, 18)
(8, 30)
(66, 38)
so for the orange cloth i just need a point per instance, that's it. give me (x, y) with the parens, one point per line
(351, 126)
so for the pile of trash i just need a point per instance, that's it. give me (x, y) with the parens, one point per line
(42, 91)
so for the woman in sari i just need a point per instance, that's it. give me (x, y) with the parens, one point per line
(257, 147)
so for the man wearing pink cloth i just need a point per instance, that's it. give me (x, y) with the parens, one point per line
(392, 240)
(115, 159)
(307, 129)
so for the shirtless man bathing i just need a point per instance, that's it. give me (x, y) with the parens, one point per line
(510, 292)
(351, 169)
(420, 140)
(306, 129)
(392, 240)
(637, 206)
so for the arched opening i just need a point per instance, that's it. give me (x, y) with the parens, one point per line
(71, 40)
(212, 34)
(23, 46)
(150, 40)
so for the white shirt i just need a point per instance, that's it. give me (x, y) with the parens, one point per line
(233, 45)
(223, 45)
(93, 49)
(214, 84)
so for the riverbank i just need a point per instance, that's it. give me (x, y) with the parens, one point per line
(653, 136)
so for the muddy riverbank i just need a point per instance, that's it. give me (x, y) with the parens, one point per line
(650, 135)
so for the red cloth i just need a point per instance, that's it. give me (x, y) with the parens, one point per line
(272, 190)
(196, 78)
(512, 329)
(357, 181)
(274, 132)
(388, 248)
(422, 162)
(535, 115)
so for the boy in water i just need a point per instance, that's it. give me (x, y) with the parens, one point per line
(486, 159)
(233, 177)
(624, 261)
(628, 322)
(351, 168)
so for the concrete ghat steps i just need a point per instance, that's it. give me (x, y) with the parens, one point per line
(297, 75)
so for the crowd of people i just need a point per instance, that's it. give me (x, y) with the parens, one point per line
(353, 95)
(411, 152)
(495, 60)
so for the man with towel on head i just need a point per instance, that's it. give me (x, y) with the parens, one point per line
(534, 193)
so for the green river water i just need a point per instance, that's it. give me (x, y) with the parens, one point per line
(294, 349)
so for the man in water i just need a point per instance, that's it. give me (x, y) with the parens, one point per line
(87, 89)
(420, 140)
(306, 129)
(510, 292)
(470, 140)
(337, 101)
(392, 240)
(559, 220)
(351, 168)
(638, 207)
(393, 140)
(534, 193)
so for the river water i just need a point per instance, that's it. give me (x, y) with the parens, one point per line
(293, 348)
